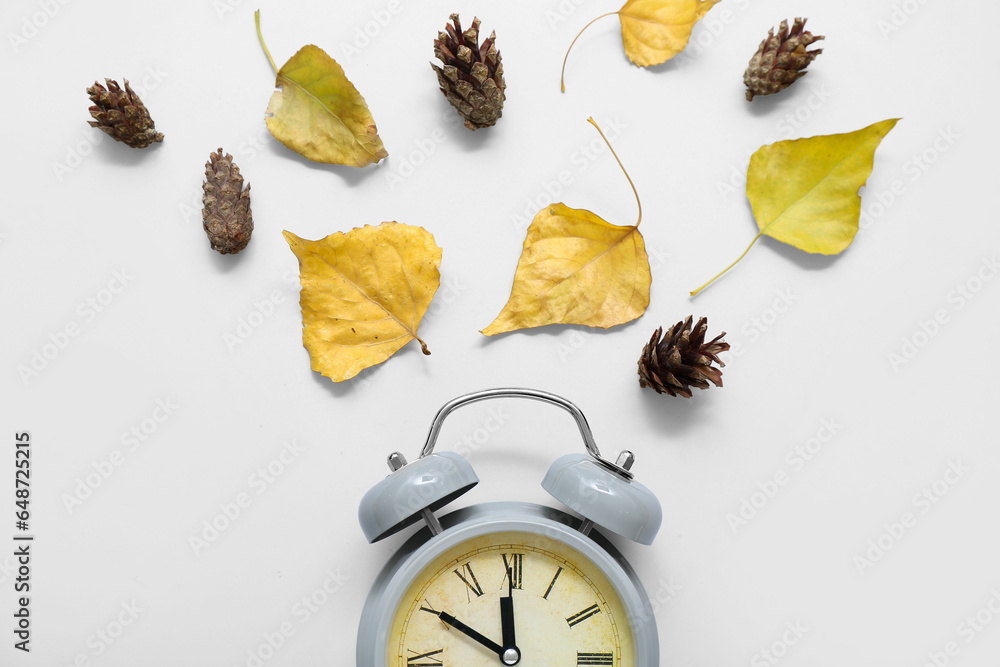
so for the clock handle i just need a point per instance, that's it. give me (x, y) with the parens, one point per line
(620, 466)
(511, 392)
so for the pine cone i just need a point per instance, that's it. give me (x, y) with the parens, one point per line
(226, 214)
(780, 60)
(121, 115)
(472, 77)
(682, 359)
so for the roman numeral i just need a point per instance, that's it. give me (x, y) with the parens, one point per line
(594, 658)
(582, 616)
(425, 659)
(551, 584)
(473, 585)
(513, 566)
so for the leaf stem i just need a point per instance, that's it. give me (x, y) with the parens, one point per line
(759, 234)
(423, 346)
(634, 191)
(562, 75)
(256, 16)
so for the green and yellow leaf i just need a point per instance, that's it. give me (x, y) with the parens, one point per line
(804, 192)
(318, 113)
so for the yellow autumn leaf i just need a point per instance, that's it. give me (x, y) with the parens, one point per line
(364, 294)
(318, 113)
(653, 31)
(804, 192)
(576, 268)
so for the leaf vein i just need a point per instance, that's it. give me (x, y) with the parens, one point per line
(817, 184)
(365, 294)
(328, 110)
(610, 247)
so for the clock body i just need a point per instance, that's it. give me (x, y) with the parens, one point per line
(577, 600)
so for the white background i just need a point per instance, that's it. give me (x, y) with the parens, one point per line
(78, 208)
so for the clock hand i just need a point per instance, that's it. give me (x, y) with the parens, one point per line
(511, 655)
(507, 613)
(469, 632)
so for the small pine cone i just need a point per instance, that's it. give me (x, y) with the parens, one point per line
(780, 60)
(122, 115)
(682, 359)
(472, 77)
(226, 214)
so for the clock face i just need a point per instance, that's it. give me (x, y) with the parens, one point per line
(510, 599)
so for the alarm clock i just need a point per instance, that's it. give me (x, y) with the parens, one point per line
(509, 583)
